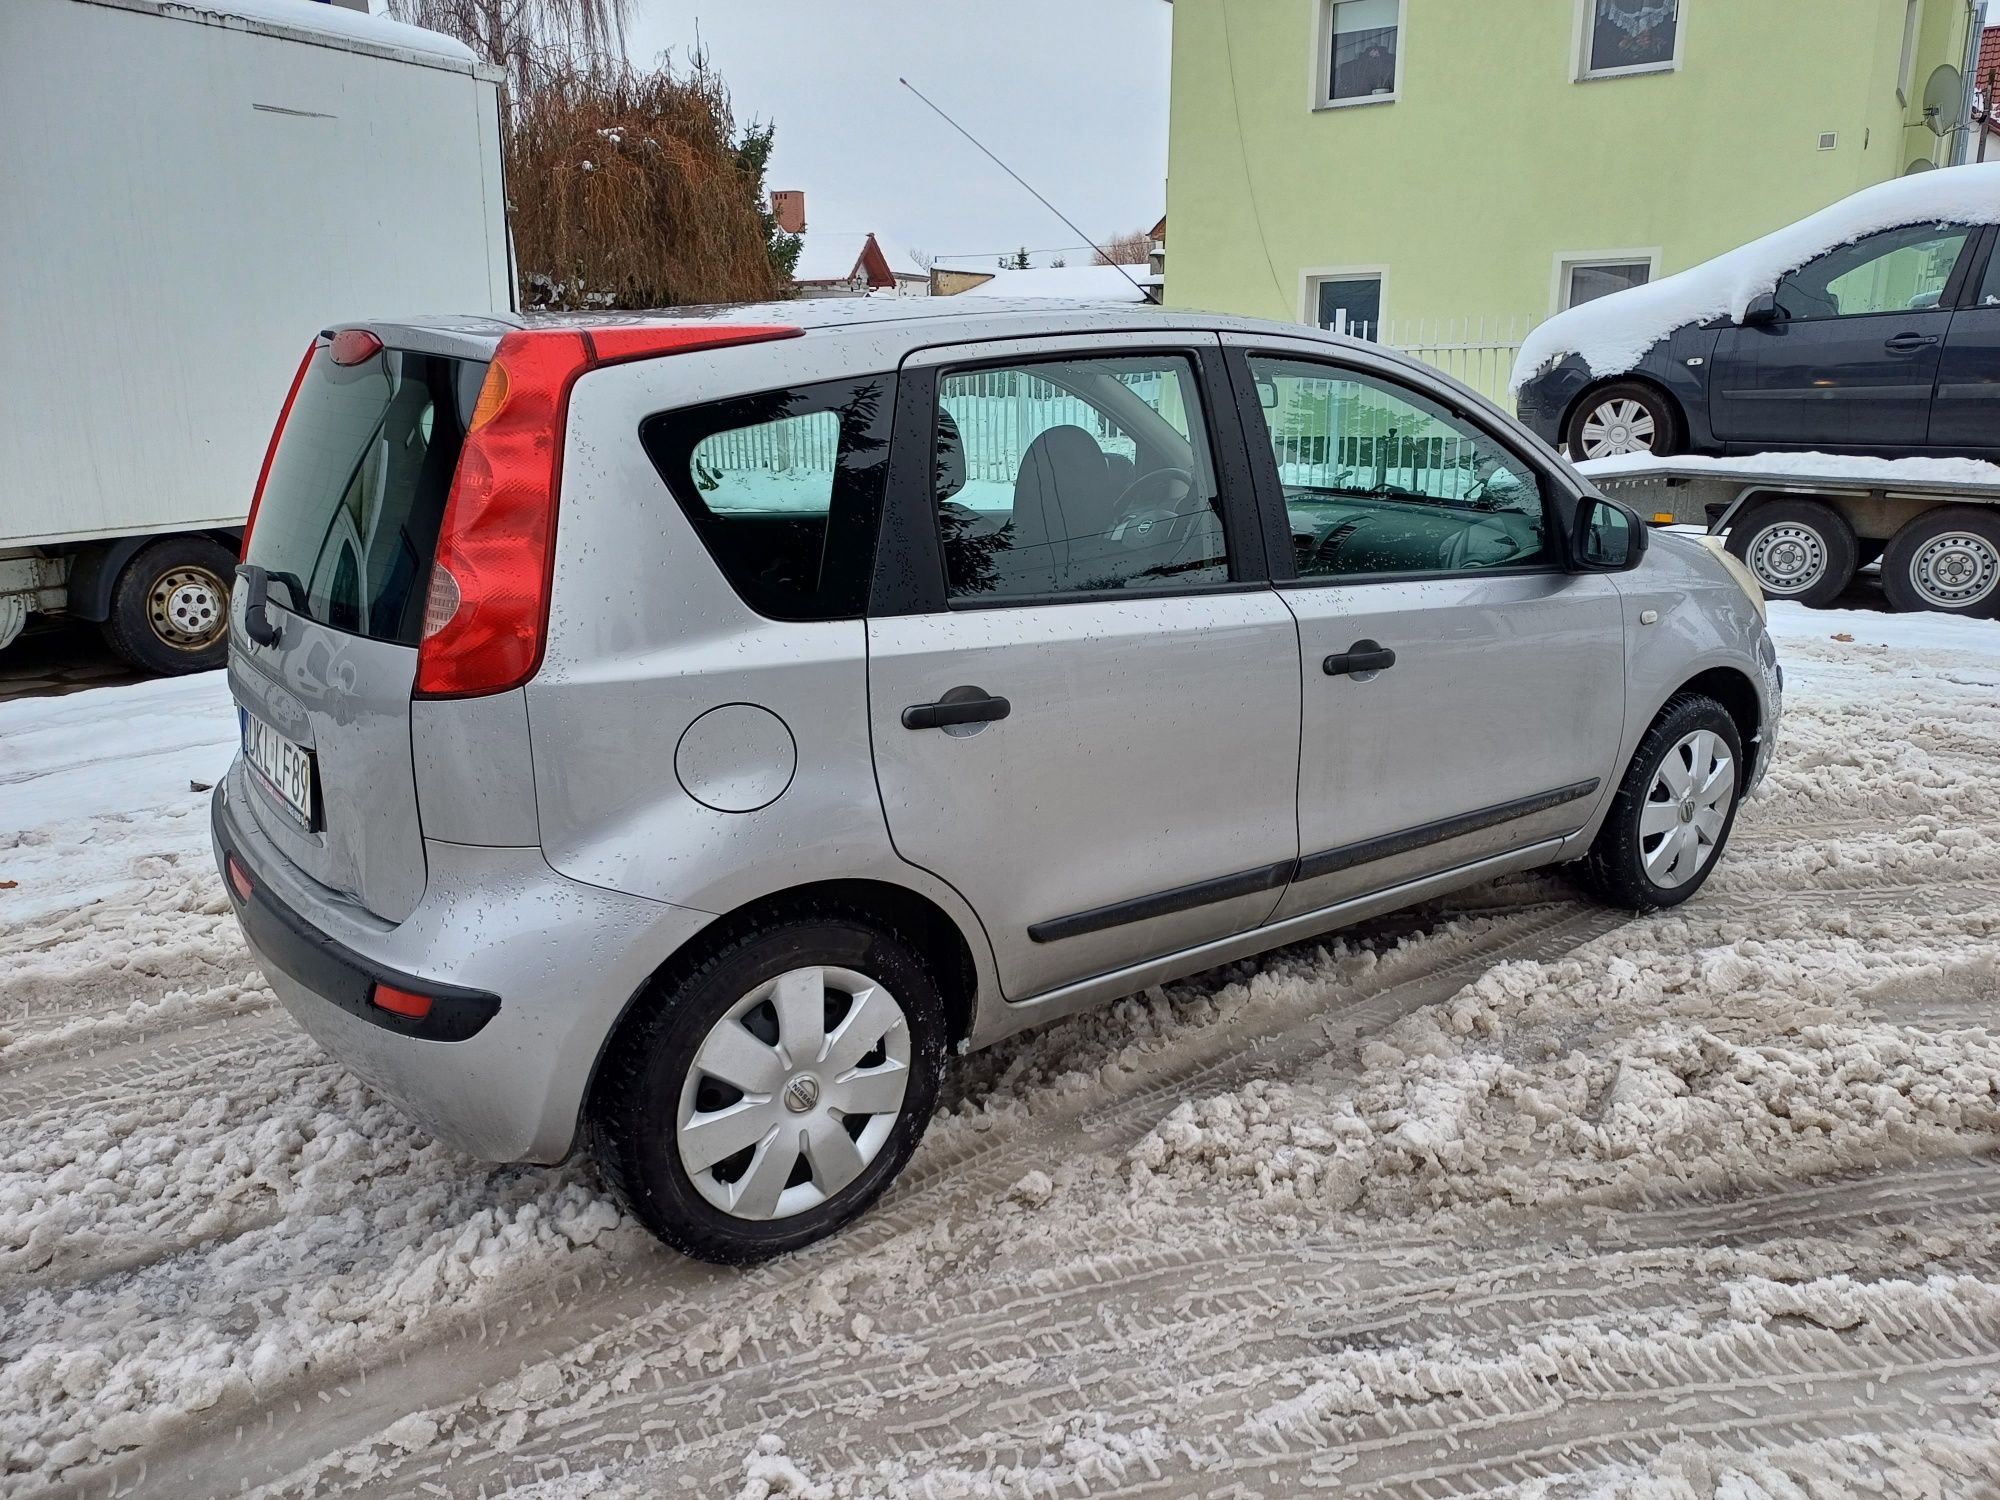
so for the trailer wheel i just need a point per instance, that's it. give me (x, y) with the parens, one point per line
(1946, 560)
(170, 607)
(1800, 550)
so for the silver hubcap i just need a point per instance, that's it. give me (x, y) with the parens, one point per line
(1621, 426)
(1787, 559)
(188, 608)
(1954, 570)
(793, 1092)
(1686, 808)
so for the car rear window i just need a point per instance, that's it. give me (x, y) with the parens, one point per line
(785, 488)
(356, 494)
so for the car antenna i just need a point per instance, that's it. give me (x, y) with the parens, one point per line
(1144, 292)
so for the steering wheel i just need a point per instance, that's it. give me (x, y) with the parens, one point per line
(1165, 488)
(1456, 553)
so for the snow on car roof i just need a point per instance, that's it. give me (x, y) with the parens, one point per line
(329, 21)
(1612, 334)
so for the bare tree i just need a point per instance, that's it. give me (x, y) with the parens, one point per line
(523, 36)
(1129, 249)
(922, 259)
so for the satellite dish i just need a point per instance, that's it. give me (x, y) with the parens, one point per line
(1921, 164)
(1944, 95)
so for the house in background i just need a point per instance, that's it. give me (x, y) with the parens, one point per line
(836, 264)
(1447, 173)
(1986, 100)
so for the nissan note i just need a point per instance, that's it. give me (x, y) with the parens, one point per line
(676, 736)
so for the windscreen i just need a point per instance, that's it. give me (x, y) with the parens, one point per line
(357, 489)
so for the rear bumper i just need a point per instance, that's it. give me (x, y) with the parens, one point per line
(532, 971)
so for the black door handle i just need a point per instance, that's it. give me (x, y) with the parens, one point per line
(1910, 343)
(955, 711)
(1362, 656)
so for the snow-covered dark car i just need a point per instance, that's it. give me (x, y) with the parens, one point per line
(1872, 327)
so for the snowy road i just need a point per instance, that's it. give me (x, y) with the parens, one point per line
(1510, 1196)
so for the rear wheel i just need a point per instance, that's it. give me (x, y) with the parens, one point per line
(1673, 811)
(1945, 560)
(1625, 417)
(170, 606)
(773, 1091)
(1797, 549)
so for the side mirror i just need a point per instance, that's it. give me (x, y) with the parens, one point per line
(1609, 538)
(1267, 394)
(1762, 311)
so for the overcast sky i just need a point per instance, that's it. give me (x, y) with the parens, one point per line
(1072, 94)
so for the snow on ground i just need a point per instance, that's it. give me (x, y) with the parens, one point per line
(1510, 1196)
(1613, 333)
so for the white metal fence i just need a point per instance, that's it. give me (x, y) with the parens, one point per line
(1478, 352)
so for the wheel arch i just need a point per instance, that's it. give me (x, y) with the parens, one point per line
(96, 567)
(939, 940)
(1629, 377)
(1733, 689)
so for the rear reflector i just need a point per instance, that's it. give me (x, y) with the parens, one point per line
(402, 1002)
(239, 878)
(355, 346)
(486, 614)
(271, 452)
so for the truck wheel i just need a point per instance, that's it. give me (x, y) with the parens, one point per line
(170, 607)
(1797, 549)
(1946, 560)
(1627, 417)
(773, 1090)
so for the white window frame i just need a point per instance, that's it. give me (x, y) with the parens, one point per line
(1311, 276)
(1570, 260)
(1906, 82)
(1322, 61)
(1582, 71)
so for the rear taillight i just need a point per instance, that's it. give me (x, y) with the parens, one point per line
(486, 615)
(271, 452)
(401, 1002)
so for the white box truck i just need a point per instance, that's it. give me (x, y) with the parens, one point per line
(189, 191)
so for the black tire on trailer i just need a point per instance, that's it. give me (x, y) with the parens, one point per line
(1801, 550)
(1627, 416)
(170, 606)
(1947, 561)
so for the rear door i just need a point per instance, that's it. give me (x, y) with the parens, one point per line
(345, 532)
(1083, 692)
(1853, 357)
(1463, 696)
(1966, 412)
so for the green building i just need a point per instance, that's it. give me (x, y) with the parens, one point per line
(1444, 174)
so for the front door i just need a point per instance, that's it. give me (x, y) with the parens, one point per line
(1852, 358)
(1463, 696)
(1086, 715)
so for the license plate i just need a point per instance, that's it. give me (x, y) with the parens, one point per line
(287, 769)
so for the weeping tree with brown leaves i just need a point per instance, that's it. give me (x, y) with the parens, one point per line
(626, 188)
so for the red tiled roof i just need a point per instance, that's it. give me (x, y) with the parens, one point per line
(1989, 63)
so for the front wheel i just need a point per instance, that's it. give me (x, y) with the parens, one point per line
(1673, 811)
(771, 1093)
(170, 606)
(1626, 417)
(1945, 560)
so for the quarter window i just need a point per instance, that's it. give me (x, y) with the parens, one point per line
(1076, 476)
(1898, 270)
(1382, 481)
(1629, 36)
(1362, 38)
(784, 488)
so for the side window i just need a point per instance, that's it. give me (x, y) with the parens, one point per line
(1898, 270)
(1380, 480)
(1076, 476)
(1989, 291)
(784, 488)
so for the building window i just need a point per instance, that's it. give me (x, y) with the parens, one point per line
(1361, 53)
(1630, 36)
(1906, 79)
(1582, 280)
(1347, 302)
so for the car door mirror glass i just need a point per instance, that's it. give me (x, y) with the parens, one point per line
(1609, 538)
(1761, 311)
(1267, 394)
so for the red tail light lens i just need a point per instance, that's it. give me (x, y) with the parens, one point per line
(239, 878)
(402, 1002)
(486, 615)
(271, 451)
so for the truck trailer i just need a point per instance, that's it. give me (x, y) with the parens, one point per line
(192, 190)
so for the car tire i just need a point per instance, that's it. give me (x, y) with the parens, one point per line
(1946, 561)
(1630, 864)
(170, 607)
(1798, 550)
(661, 1112)
(1628, 416)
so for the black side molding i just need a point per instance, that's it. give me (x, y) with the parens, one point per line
(1347, 856)
(1163, 903)
(1271, 877)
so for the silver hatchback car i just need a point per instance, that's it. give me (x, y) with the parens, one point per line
(680, 734)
